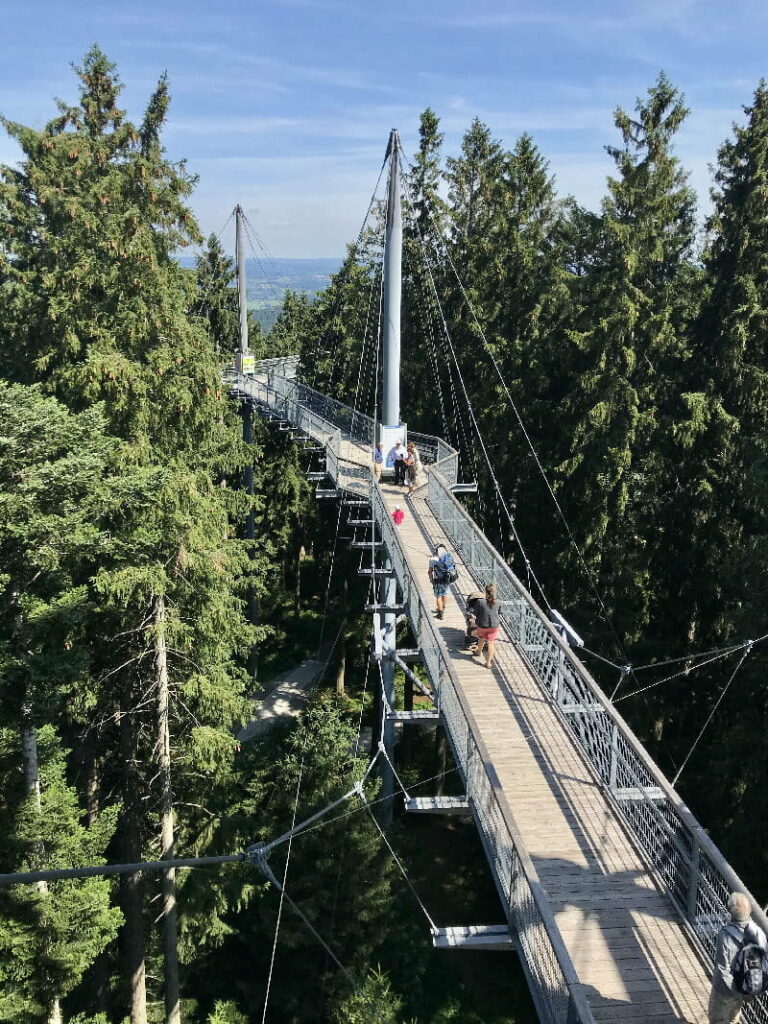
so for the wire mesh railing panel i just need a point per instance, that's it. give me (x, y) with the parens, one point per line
(688, 866)
(283, 366)
(691, 870)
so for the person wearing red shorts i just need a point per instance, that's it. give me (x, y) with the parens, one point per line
(487, 619)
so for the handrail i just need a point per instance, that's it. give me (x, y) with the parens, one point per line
(682, 857)
(558, 992)
(688, 865)
(286, 366)
(554, 982)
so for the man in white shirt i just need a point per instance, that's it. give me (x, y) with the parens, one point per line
(398, 457)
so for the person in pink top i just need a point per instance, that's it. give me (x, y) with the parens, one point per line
(398, 516)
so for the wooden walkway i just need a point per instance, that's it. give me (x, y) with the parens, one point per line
(627, 944)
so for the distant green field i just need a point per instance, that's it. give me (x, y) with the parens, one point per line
(269, 280)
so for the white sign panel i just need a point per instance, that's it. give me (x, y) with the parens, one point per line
(389, 436)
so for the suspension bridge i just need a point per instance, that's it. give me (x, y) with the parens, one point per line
(609, 889)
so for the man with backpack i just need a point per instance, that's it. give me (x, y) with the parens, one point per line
(741, 963)
(442, 573)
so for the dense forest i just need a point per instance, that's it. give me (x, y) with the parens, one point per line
(137, 621)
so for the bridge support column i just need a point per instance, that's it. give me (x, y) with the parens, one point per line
(250, 531)
(388, 598)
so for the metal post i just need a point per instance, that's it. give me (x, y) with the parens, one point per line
(614, 758)
(693, 882)
(243, 358)
(388, 597)
(393, 257)
(390, 407)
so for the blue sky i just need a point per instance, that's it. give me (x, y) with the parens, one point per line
(285, 106)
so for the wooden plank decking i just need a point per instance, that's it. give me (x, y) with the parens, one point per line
(626, 942)
(628, 946)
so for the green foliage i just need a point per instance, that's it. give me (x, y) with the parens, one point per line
(217, 304)
(632, 320)
(48, 935)
(373, 1001)
(640, 372)
(226, 1013)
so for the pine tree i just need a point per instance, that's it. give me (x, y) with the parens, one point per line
(339, 333)
(217, 304)
(626, 356)
(426, 387)
(57, 473)
(722, 489)
(527, 275)
(97, 308)
(340, 875)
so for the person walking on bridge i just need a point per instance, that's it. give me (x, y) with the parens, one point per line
(397, 458)
(442, 572)
(413, 467)
(470, 637)
(740, 963)
(378, 462)
(487, 619)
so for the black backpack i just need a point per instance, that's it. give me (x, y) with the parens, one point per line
(750, 966)
(444, 570)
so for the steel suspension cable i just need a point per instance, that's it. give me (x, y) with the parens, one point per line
(470, 407)
(403, 872)
(718, 702)
(282, 898)
(717, 656)
(355, 249)
(521, 424)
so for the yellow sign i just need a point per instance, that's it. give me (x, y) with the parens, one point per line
(249, 364)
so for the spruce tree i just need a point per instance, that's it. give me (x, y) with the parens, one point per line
(427, 384)
(57, 484)
(217, 303)
(626, 354)
(98, 310)
(722, 523)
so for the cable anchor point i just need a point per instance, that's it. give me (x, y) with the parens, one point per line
(257, 855)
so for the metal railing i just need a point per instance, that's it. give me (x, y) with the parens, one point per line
(551, 974)
(686, 863)
(552, 977)
(285, 366)
(356, 425)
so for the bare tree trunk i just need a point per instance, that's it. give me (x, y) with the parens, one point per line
(169, 915)
(131, 895)
(100, 968)
(300, 555)
(342, 669)
(442, 760)
(32, 781)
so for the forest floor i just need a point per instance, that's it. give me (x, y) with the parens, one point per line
(283, 697)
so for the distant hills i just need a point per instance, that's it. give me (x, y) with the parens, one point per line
(269, 279)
